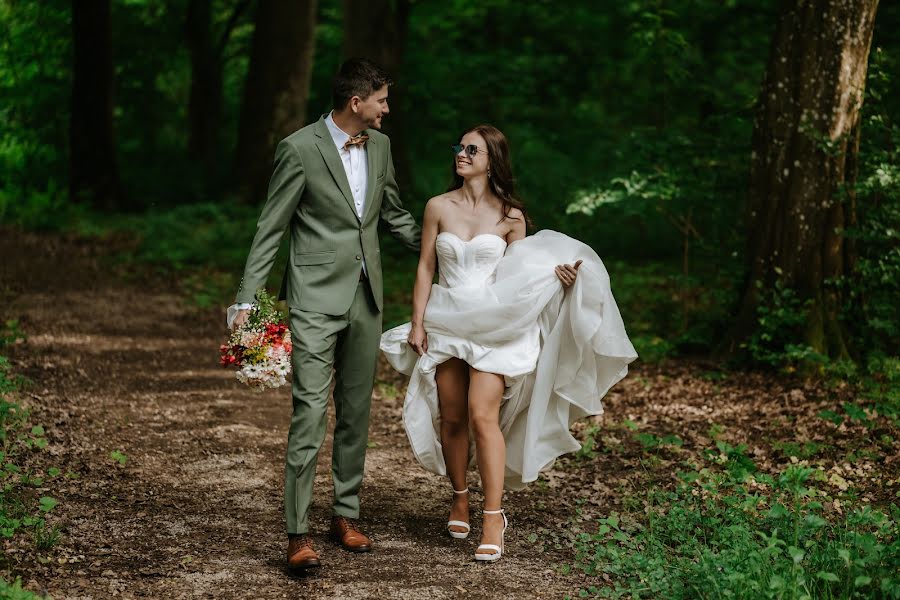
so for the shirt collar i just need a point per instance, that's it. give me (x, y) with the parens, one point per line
(339, 136)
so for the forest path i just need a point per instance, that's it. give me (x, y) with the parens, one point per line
(120, 363)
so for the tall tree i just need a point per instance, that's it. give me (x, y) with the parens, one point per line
(276, 90)
(207, 49)
(377, 30)
(94, 173)
(803, 166)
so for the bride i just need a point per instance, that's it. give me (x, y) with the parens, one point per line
(520, 337)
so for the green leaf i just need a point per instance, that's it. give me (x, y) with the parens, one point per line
(47, 503)
(119, 457)
(826, 576)
(815, 521)
(830, 415)
(855, 412)
(862, 581)
(37, 430)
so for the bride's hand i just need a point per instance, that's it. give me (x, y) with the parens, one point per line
(418, 339)
(567, 273)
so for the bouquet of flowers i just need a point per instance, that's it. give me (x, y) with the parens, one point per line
(260, 349)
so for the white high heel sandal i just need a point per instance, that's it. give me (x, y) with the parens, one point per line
(460, 535)
(482, 556)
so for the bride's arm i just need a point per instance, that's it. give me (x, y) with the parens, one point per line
(424, 277)
(517, 231)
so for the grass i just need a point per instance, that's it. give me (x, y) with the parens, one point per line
(717, 535)
(23, 510)
(725, 527)
(14, 591)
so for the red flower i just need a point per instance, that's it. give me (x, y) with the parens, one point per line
(275, 332)
(231, 356)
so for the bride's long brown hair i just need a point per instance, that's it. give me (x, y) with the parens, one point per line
(501, 178)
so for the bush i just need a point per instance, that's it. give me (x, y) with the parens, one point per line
(734, 533)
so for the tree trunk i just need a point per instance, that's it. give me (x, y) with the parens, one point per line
(205, 103)
(377, 30)
(277, 87)
(803, 166)
(94, 174)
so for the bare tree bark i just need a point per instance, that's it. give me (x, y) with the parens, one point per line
(277, 88)
(205, 103)
(803, 166)
(206, 48)
(94, 173)
(377, 30)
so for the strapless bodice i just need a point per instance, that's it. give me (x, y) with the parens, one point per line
(468, 263)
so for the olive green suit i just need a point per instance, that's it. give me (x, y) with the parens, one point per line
(335, 315)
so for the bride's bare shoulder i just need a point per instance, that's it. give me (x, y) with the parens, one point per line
(440, 203)
(515, 214)
(443, 199)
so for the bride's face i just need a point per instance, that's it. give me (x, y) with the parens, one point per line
(472, 159)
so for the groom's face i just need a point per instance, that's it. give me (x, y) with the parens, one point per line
(374, 108)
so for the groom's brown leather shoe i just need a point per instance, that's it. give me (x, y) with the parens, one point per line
(347, 534)
(300, 553)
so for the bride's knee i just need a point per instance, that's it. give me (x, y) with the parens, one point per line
(454, 423)
(483, 422)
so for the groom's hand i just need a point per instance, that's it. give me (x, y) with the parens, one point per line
(240, 318)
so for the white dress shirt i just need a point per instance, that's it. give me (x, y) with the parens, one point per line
(356, 166)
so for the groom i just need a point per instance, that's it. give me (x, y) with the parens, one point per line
(332, 183)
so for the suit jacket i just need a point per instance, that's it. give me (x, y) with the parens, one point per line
(310, 193)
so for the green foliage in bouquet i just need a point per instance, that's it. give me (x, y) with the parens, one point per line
(264, 310)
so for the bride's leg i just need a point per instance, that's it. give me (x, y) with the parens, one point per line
(485, 395)
(452, 378)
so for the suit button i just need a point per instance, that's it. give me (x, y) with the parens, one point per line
(358, 257)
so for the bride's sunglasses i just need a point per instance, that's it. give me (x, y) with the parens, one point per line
(471, 149)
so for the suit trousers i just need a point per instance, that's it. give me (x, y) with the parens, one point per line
(347, 344)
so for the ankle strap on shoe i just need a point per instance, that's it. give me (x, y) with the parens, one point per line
(492, 512)
(465, 491)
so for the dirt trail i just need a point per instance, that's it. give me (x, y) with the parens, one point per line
(121, 363)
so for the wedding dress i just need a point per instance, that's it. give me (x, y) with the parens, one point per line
(503, 310)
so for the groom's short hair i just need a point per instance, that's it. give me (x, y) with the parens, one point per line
(357, 77)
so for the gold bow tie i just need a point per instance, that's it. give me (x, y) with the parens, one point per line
(356, 140)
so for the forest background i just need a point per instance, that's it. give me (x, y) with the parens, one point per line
(631, 126)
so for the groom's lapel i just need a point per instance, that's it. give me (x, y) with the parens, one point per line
(372, 162)
(332, 159)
